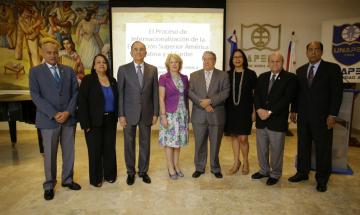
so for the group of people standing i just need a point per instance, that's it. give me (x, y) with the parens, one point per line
(223, 102)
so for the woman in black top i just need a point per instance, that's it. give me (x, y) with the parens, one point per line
(98, 110)
(239, 109)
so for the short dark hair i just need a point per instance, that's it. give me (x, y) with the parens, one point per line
(318, 42)
(245, 64)
(107, 65)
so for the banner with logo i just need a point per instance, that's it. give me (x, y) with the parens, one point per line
(259, 41)
(341, 39)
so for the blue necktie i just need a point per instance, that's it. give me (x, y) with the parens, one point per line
(55, 73)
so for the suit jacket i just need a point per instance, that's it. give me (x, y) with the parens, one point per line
(324, 97)
(50, 98)
(91, 101)
(218, 92)
(277, 100)
(138, 104)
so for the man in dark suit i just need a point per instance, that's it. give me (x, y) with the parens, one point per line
(209, 88)
(54, 90)
(273, 94)
(318, 103)
(138, 106)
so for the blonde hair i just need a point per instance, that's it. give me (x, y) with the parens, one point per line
(46, 40)
(176, 57)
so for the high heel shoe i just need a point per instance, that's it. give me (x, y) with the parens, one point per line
(234, 169)
(174, 176)
(245, 170)
(179, 173)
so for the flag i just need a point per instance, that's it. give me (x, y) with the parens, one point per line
(233, 42)
(291, 60)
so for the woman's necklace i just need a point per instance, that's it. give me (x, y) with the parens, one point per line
(237, 102)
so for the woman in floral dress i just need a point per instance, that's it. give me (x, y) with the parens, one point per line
(174, 113)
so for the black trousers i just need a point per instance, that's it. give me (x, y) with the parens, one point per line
(321, 136)
(101, 143)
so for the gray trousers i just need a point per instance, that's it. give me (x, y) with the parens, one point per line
(51, 138)
(268, 141)
(203, 132)
(144, 148)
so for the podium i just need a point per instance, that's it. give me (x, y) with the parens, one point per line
(341, 135)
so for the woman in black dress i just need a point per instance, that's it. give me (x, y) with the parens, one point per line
(239, 109)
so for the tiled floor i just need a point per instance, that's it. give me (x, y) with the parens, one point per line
(21, 177)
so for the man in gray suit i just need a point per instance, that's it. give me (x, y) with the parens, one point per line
(208, 91)
(54, 90)
(138, 106)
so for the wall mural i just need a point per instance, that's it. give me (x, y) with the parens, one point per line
(81, 27)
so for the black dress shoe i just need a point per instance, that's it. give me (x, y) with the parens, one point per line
(110, 180)
(298, 177)
(258, 175)
(217, 174)
(130, 179)
(145, 177)
(321, 188)
(49, 194)
(197, 174)
(72, 186)
(272, 181)
(97, 185)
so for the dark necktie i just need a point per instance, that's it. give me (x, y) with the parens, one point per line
(311, 76)
(272, 80)
(139, 75)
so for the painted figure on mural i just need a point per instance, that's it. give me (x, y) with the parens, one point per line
(69, 56)
(95, 7)
(86, 39)
(7, 22)
(61, 20)
(28, 32)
